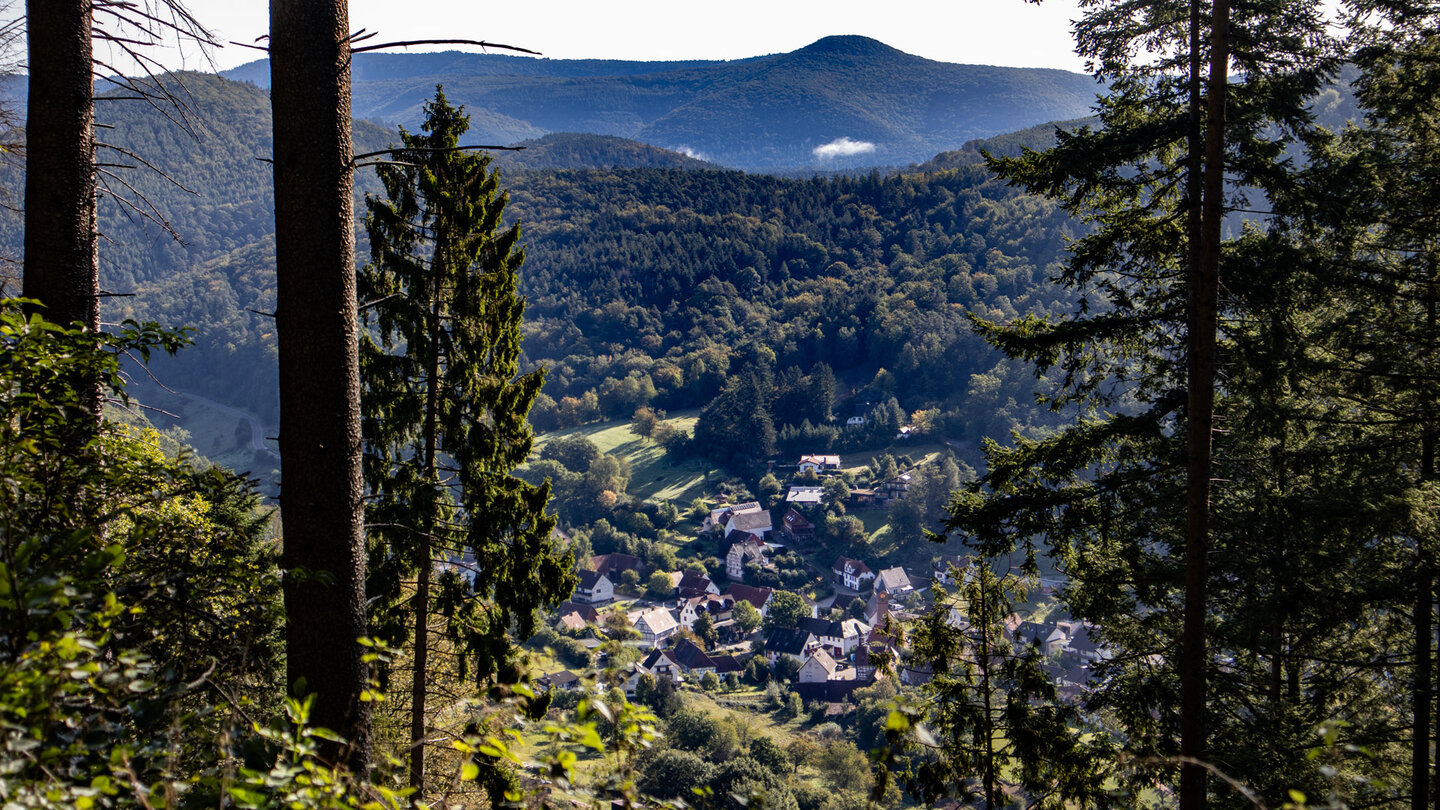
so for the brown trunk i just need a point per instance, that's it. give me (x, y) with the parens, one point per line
(424, 549)
(1420, 741)
(321, 502)
(60, 268)
(985, 664)
(1420, 771)
(60, 264)
(1200, 406)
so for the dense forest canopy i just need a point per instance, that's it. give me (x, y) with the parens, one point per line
(660, 272)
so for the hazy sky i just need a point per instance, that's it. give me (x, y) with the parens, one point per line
(990, 32)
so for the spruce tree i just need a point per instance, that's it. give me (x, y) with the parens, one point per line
(1124, 495)
(446, 416)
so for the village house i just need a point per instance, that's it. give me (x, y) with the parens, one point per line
(944, 568)
(630, 677)
(692, 660)
(726, 664)
(862, 497)
(893, 582)
(852, 635)
(877, 608)
(819, 667)
(564, 679)
(851, 574)
(721, 515)
(613, 565)
(588, 614)
(662, 664)
(790, 641)
(692, 584)
(756, 523)
(805, 497)
(892, 490)
(758, 597)
(1047, 636)
(718, 608)
(594, 588)
(1080, 643)
(741, 553)
(829, 635)
(655, 625)
(818, 464)
(796, 526)
(570, 622)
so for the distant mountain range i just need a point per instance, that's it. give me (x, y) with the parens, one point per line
(842, 102)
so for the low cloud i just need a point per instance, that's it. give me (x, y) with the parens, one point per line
(843, 147)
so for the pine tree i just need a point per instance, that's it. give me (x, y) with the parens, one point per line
(446, 415)
(1135, 362)
(993, 711)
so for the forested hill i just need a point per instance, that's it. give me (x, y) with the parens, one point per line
(769, 112)
(653, 284)
(572, 150)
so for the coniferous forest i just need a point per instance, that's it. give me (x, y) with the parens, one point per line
(1087, 465)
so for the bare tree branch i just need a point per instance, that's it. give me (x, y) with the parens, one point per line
(408, 43)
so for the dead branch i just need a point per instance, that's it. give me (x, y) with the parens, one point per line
(147, 164)
(393, 150)
(408, 43)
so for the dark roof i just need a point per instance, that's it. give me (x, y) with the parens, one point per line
(689, 656)
(737, 537)
(560, 678)
(694, 580)
(586, 612)
(610, 563)
(589, 579)
(855, 565)
(821, 627)
(654, 657)
(757, 597)
(726, 663)
(794, 520)
(788, 640)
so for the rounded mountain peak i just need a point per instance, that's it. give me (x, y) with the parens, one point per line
(850, 45)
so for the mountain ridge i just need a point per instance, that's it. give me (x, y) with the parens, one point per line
(840, 102)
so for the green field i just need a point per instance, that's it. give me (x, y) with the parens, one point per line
(654, 475)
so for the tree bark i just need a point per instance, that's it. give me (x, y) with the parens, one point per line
(1203, 306)
(60, 264)
(321, 484)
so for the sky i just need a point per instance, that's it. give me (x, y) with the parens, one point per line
(987, 32)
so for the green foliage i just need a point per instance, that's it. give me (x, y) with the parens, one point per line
(786, 609)
(767, 752)
(674, 774)
(440, 390)
(746, 617)
(110, 554)
(990, 712)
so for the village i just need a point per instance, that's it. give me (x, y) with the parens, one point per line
(840, 631)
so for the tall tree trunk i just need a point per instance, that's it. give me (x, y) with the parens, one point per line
(1422, 697)
(424, 549)
(1202, 308)
(321, 486)
(60, 268)
(1420, 739)
(60, 263)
